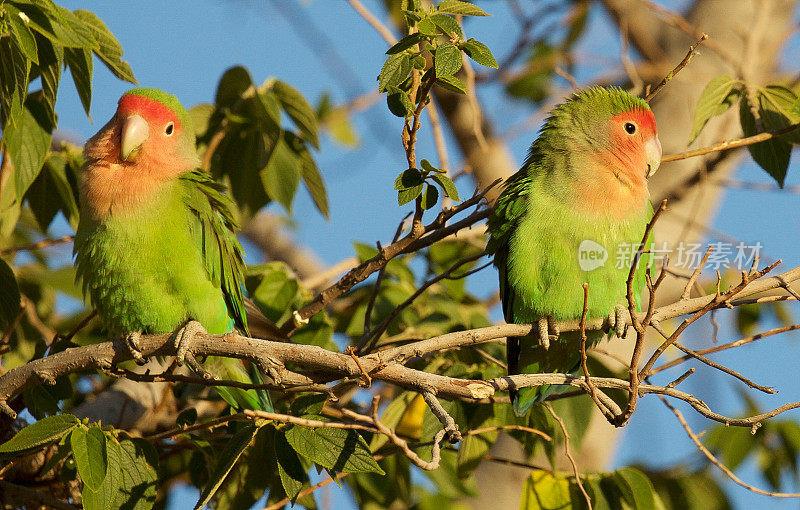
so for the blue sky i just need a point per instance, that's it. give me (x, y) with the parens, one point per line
(184, 47)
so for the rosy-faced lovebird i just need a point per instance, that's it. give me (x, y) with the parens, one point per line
(156, 246)
(578, 203)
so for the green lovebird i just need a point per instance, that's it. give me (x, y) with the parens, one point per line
(156, 246)
(579, 201)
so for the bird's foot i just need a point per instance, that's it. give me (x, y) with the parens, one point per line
(547, 326)
(617, 321)
(132, 343)
(184, 337)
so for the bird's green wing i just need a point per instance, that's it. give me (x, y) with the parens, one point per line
(216, 230)
(509, 209)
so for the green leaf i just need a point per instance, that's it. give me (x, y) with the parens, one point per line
(772, 155)
(273, 289)
(314, 183)
(479, 52)
(131, 480)
(27, 143)
(337, 449)
(777, 105)
(45, 431)
(430, 197)
(53, 191)
(452, 84)
(460, 8)
(428, 167)
(472, 451)
(80, 65)
(394, 71)
(406, 195)
(448, 25)
(91, 458)
(309, 404)
(51, 60)
(398, 102)
(9, 299)
(543, 491)
(427, 27)
(290, 470)
(406, 42)
(447, 185)
(637, 490)
(23, 37)
(232, 85)
(282, 173)
(410, 178)
(14, 69)
(108, 48)
(713, 101)
(298, 109)
(447, 60)
(225, 462)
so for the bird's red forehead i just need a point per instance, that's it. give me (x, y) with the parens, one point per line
(151, 110)
(643, 118)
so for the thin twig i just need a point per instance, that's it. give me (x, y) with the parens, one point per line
(683, 63)
(722, 467)
(731, 144)
(45, 243)
(370, 18)
(568, 453)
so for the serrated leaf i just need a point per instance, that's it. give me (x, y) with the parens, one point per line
(23, 36)
(298, 109)
(479, 52)
(406, 195)
(131, 480)
(772, 155)
(447, 60)
(394, 71)
(91, 458)
(460, 8)
(337, 449)
(51, 60)
(430, 197)
(447, 185)
(14, 69)
(80, 65)
(225, 462)
(290, 470)
(636, 488)
(108, 48)
(712, 102)
(452, 84)
(9, 302)
(45, 431)
(776, 104)
(427, 27)
(405, 43)
(70, 30)
(448, 25)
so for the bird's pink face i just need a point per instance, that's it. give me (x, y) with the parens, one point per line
(141, 147)
(631, 153)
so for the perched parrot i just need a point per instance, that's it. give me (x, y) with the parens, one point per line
(156, 246)
(579, 200)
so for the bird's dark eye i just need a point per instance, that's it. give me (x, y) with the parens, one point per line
(169, 129)
(630, 128)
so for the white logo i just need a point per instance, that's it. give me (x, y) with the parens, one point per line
(591, 255)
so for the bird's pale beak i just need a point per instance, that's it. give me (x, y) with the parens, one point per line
(134, 133)
(652, 149)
